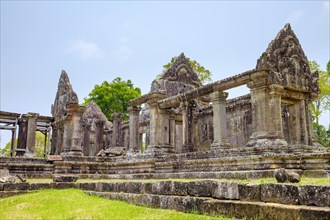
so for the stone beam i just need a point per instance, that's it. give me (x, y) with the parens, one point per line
(221, 85)
(139, 101)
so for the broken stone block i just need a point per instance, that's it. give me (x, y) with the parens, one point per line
(5, 177)
(65, 178)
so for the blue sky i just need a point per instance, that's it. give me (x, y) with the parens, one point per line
(101, 40)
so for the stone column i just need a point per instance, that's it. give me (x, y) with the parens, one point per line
(266, 112)
(133, 128)
(159, 127)
(275, 125)
(187, 145)
(220, 141)
(172, 130)
(72, 133)
(31, 134)
(22, 132)
(13, 140)
(116, 136)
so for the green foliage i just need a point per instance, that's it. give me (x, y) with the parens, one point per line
(113, 97)
(203, 74)
(39, 146)
(322, 103)
(51, 204)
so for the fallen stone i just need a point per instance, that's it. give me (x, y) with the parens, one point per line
(5, 177)
(292, 177)
(280, 175)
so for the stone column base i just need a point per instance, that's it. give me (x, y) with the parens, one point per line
(159, 149)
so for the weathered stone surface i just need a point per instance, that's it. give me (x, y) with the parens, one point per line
(249, 192)
(280, 175)
(162, 188)
(64, 185)
(292, 177)
(311, 213)
(225, 190)
(280, 193)
(314, 195)
(64, 95)
(200, 188)
(179, 188)
(112, 152)
(5, 177)
(65, 178)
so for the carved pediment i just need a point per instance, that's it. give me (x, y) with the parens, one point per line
(93, 111)
(64, 96)
(181, 71)
(287, 62)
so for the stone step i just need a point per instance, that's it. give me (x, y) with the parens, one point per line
(230, 208)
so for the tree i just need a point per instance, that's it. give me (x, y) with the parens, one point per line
(322, 103)
(39, 146)
(203, 74)
(113, 97)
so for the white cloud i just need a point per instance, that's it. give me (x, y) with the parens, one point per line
(85, 50)
(295, 16)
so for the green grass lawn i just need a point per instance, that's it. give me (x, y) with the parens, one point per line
(75, 204)
(304, 180)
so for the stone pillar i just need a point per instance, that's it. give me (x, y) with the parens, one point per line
(172, 130)
(72, 133)
(31, 134)
(187, 145)
(159, 127)
(116, 136)
(220, 141)
(133, 128)
(275, 125)
(22, 132)
(266, 112)
(13, 140)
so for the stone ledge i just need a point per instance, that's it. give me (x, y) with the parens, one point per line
(231, 208)
(309, 195)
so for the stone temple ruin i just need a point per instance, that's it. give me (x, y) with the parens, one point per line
(183, 129)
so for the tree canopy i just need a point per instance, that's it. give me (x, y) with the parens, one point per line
(113, 97)
(203, 74)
